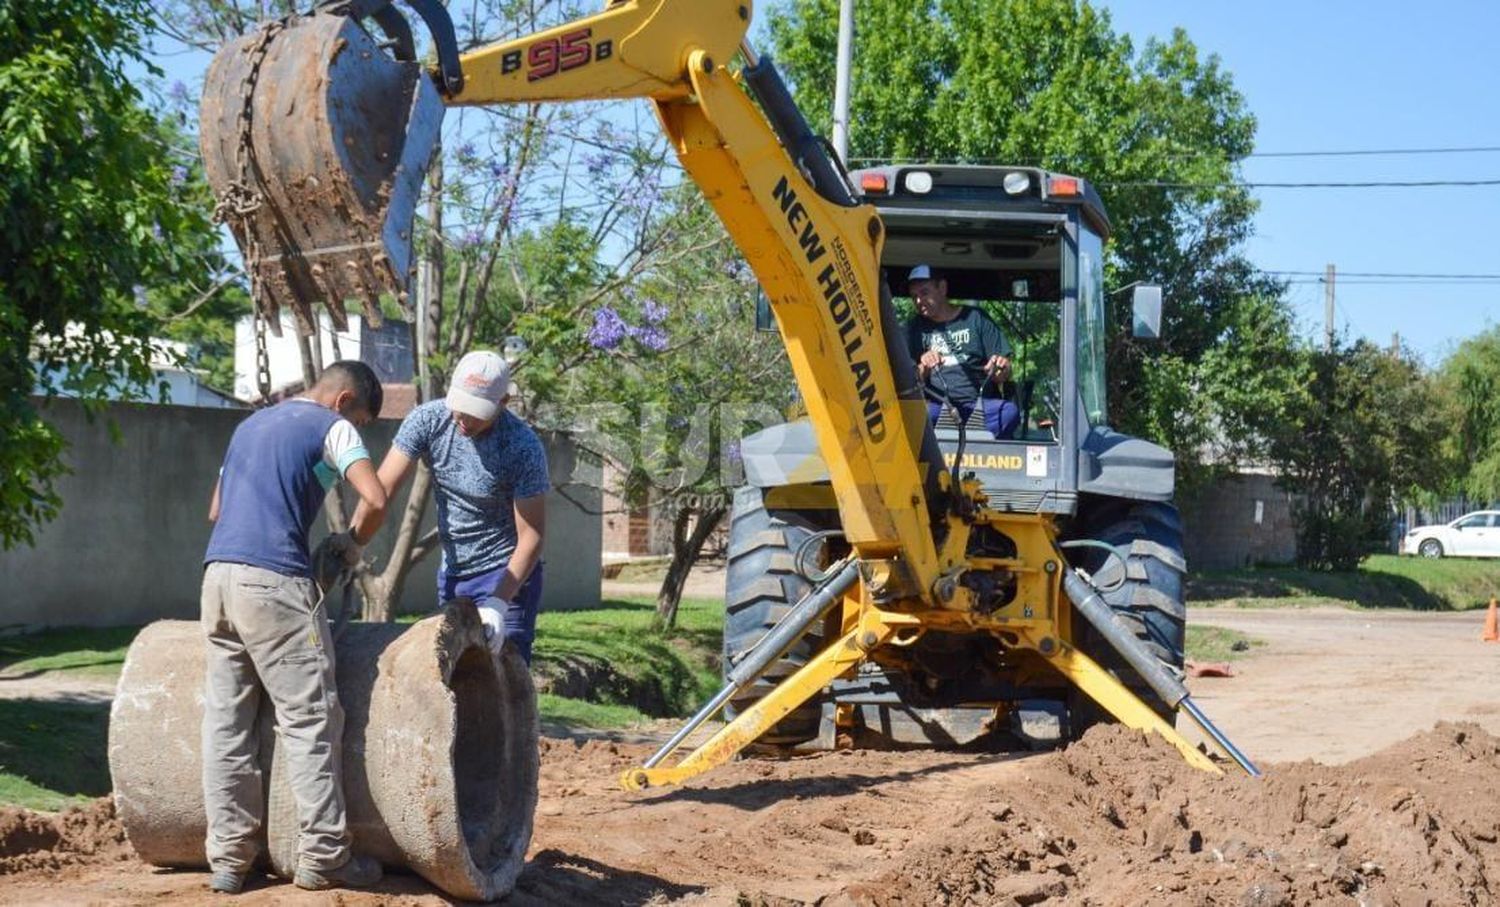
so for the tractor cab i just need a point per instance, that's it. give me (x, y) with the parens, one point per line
(1026, 246)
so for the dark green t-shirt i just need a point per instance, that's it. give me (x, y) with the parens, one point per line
(966, 343)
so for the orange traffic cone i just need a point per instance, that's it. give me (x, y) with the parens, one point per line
(1491, 627)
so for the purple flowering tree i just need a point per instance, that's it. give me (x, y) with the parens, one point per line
(538, 222)
(669, 374)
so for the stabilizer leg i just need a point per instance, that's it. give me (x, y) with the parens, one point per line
(843, 655)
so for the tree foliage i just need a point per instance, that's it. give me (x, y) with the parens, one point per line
(1160, 132)
(92, 214)
(1470, 379)
(665, 374)
(1361, 433)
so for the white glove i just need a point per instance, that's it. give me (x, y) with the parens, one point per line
(491, 614)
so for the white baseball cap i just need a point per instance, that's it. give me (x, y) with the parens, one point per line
(480, 382)
(920, 272)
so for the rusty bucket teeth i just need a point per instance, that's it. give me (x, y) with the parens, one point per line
(315, 142)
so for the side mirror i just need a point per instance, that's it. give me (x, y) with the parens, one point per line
(764, 319)
(1145, 308)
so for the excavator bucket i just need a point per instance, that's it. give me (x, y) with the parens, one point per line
(316, 138)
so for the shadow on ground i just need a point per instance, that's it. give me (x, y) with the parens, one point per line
(555, 877)
(1297, 586)
(57, 745)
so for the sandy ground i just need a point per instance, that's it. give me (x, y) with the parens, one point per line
(1334, 685)
(705, 581)
(1413, 818)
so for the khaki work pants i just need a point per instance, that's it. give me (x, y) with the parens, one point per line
(268, 638)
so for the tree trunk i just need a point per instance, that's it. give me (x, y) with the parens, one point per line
(382, 591)
(685, 550)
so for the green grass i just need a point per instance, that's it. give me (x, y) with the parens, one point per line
(1218, 643)
(609, 667)
(76, 651)
(52, 754)
(579, 713)
(1382, 581)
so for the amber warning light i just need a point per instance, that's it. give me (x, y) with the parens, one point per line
(1063, 185)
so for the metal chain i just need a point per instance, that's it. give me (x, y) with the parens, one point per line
(262, 357)
(240, 197)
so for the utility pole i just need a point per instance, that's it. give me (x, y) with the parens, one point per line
(841, 81)
(1328, 278)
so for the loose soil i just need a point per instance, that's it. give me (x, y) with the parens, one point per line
(1115, 819)
(1397, 811)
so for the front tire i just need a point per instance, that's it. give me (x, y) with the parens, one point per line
(1430, 548)
(1145, 592)
(761, 586)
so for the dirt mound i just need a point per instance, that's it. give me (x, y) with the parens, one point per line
(1119, 818)
(44, 841)
(1115, 819)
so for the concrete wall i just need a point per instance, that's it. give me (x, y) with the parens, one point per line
(1239, 521)
(128, 545)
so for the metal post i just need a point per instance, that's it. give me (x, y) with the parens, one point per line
(841, 81)
(1328, 277)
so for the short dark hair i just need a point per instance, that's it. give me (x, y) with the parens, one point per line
(353, 375)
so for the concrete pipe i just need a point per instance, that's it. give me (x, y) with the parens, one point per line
(439, 752)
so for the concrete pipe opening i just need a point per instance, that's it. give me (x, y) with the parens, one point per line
(439, 752)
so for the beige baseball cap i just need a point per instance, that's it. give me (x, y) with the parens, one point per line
(480, 382)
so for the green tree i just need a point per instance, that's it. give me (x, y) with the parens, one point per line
(1361, 433)
(682, 376)
(92, 216)
(1160, 132)
(1470, 378)
(503, 177)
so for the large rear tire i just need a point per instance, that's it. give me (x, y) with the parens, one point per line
(1146, 592)
(761, 586)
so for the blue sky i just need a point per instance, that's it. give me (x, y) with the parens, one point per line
(1332, 75)
(1337, 74)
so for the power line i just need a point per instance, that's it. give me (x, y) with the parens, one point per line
(1372, 152)
(1395, 283)
(1350, 152)
(1363, 184)
(1387, 274)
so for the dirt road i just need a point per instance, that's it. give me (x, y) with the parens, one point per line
(1116, 819)
(1333, 684)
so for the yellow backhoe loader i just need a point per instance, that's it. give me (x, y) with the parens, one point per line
(886, 575)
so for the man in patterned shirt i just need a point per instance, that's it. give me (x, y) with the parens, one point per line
(489, 472)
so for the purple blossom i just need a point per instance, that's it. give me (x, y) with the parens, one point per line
(467, 153)
(643, 194)
(654, 312)
(609, 329)
(653, 337)
(499, 172)
(179, 175)
(597, 163)
(178, 93)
